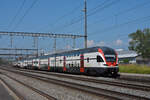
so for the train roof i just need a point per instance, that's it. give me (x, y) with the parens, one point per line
(105, 49)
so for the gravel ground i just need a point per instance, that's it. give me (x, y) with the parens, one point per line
(27, 93)
(103, 86)
(63, 93)
(59, 92)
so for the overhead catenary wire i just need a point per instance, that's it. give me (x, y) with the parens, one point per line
(121, 25)
(62, 17)
(74, 21)
(123, 35)
(103, 7)
(79, 18)
(133, 8)
(14, 18)
(24, 15)
(100, 7)
(18, 12)
(122, 12)
(90, 14)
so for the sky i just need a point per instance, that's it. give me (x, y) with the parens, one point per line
(109, 21)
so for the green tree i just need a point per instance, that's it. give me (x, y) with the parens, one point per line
(140, 42)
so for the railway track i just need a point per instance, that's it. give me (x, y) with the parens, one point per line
(86, 79)
(32, 88)
(16, 94)
(90, 89)
(21, 97)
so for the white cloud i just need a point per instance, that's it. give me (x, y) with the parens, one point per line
(90, 43)
(101, 43)
(118, 42)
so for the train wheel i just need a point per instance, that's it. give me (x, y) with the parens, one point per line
(115, 75)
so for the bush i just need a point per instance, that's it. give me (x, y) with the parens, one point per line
(126, 61)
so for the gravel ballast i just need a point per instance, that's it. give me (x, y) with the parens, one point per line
(103, 86)
(59, 92)
(25, 92)
(63, 93)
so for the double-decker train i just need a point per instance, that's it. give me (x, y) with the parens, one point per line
(93, 61)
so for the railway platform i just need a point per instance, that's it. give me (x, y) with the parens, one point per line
(138, 75)
(134, 77)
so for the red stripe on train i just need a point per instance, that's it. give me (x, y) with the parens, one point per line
(64, 67)
(100, 51)
(81, 63)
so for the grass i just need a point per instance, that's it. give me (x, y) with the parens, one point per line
(134, 68)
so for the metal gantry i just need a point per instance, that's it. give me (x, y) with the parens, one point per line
(11, 54)
(22, 52)
(36, 34)
(17, 49)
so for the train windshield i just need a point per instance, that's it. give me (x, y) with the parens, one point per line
(110, 58)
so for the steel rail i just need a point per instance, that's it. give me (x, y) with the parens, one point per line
(13, 90)
(93, 90)
(32, 88)
(114, 83)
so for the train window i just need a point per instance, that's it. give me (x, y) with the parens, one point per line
(88, 59)
(110, 59)
(35, 62)
(99, 59)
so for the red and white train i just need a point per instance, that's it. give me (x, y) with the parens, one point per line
(93, 61)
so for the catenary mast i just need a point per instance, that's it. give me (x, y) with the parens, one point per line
(85, 22)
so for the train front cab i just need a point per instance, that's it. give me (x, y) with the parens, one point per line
(110, 62)
(102, 63)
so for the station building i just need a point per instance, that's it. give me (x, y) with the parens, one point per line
(126, 56)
